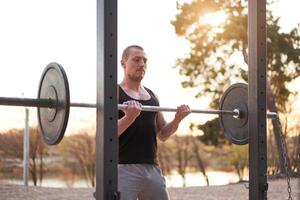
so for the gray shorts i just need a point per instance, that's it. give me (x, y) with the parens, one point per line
(141, 181)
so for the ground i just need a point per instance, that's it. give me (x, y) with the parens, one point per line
(277, 191)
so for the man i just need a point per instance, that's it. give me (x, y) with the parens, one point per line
(139, 176)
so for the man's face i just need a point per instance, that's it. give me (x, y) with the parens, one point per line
(135, 65)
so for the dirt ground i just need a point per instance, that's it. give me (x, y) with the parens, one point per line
(277, 191)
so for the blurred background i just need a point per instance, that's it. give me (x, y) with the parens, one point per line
(196, 49)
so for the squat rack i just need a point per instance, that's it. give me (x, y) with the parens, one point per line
(257, 34)
(106, 137)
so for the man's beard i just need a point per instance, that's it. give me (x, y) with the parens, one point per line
(135, 78)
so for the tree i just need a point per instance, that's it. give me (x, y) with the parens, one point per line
(165, 155)
(214, 47)
(212, 133)
(200, 163)
(38, 149)
(238, 158)
(79, 150)
(211, 63)
(11, 147)
(183, 155)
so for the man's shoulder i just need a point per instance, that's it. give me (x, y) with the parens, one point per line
(148, 89)
(151, 92)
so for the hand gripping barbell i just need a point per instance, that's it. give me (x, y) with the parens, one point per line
(53, 106)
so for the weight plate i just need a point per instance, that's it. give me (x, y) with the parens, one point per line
(235, 129)
(53, 121)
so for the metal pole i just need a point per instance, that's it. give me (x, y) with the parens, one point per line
(158, 108)
(258, 185)
(84, 105)
(26, 149)
(234, 112)
(27, 102)
(107, 111)
(168, 109)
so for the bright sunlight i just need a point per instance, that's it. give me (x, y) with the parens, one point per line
(214, 19)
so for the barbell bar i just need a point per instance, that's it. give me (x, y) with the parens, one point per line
(53, 105)
(235, 113)
(50, 103)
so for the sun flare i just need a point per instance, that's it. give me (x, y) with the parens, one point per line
(214, 19)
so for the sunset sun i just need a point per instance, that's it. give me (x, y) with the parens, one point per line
(214, 19)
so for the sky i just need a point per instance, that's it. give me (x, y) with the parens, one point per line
(37, 32)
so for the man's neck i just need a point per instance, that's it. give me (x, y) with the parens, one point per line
(132, 85)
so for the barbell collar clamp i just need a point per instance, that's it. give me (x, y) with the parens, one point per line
(272, 115)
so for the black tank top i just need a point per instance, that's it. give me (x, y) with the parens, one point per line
(137, 144)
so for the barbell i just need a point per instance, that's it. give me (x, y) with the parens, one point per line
(53, 107)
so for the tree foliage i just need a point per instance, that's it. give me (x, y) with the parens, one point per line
(238, 158)
(211, 63)
(79, 151)
(11, 149)
(212, 134)
(181, 154)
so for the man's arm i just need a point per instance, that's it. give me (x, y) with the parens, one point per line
(124, 123)
(132, 111)
(164, 129)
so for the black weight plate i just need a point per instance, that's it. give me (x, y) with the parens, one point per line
(53, 121)
(235, 129)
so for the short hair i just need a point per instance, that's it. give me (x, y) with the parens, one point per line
(126, 51)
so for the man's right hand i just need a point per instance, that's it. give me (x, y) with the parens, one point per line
(133, 109)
